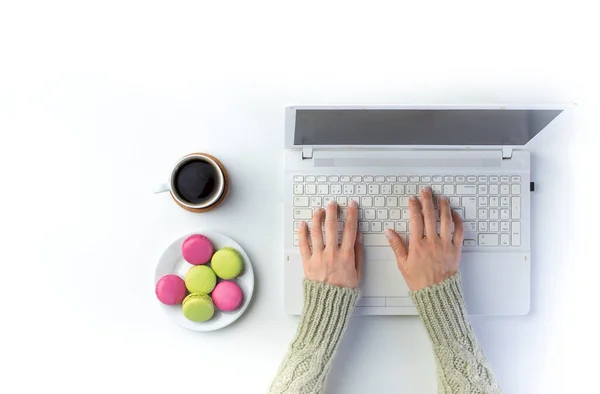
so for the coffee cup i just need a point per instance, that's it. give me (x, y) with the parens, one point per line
(198, 182)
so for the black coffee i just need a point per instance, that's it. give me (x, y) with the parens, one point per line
(196, 181)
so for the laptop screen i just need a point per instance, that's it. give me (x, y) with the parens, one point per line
(420, 126)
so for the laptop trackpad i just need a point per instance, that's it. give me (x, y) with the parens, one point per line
(381, 276)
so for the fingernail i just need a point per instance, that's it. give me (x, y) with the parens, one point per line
(352, 204)
(426, 189)
(413, 197)
(445, 198)
(388, 233)
(359, 238)
(302, 224)
(331, 202)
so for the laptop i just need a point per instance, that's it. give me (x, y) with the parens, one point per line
(380, 156)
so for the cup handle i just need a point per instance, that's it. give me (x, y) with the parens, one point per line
(162, 188)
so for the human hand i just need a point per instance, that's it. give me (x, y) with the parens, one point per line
(339, 265)
(430, 257)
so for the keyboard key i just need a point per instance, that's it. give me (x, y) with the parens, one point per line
(461, 179)
(454, 202)
(340, 227)
(405, 214)
(366, 201)
(323, 189)
(448, 179)
(361, 190)
(482, 201)
(369, 178)
(470, 226)
(411, 190)
(395, 214)
(403, 179)
(374, 189)
(355, 199)
(414, 179)
(494, 201)
(494, 214)
(391, 201)
(356, 178)
(321, 178)
(398, 189)
(515, 179)
(470, 206)
(483, 189)
(403, 201)
(379, 201)
(296, 240)
(388, 225)
(483, 226)
(298, 189)
(504, 202)
(516, 234)
(334, 178)
(469, 242)
(488, 240)
(310, 189)
(336, 189)
(436, 189)
(421, 188)
(386, 189)
(515, 189)
(471, 179)
(438, 179)
(382, 214)
(360, 213)
(301, 201)
(342, 201)
(401, 227)
(343, 214)
(348, 189)
(302, 213)
(482, 179)
(504, 189)
(494, 179)
(504, 226)
(296, 226)
(493, 189)
(426, 179)
(494, 227)
(460, 212)
(504, 240)
(327, 199)
(316, 202)
(376, 227)
(298, 178)
(311, 178)
(504, 214)
(391, 178)
(375, 240)
(516, 207)
(505, 179)
(483, 214)
(462, 190)
(345, 178)
(364, 227)
(369, 214)
(380, 178)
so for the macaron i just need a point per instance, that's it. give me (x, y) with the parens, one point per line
(198, 307)
(197, 249)
(170, 290)
(200, 279)
(227, 263)
(227, 296)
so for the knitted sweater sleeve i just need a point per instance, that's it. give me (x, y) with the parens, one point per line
(325, 316)
(461, 364)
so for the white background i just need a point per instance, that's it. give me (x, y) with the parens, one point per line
(99, 99)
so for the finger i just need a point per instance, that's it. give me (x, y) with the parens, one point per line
(459, 230)
(398, 247)
(331, 225)
(428, 213)
(358, 255)
(303, 241)
(416, 218)
(351, 226)
(316, 230)
(445, 219)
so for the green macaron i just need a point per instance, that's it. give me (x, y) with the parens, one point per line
(198, 307)
(200, 279)
(227, 263)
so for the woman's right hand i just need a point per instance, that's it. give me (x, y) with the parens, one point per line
(430, 257)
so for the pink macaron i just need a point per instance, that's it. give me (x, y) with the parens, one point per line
(227, 296)
(170, 290)
(197, 249)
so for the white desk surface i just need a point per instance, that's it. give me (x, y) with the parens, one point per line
(96, 103)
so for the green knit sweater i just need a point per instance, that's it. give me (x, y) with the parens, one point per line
(461, 364)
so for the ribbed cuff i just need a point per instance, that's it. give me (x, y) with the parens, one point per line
(443, 311)
(326, 313)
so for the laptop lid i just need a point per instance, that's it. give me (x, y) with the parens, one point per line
(414, 127)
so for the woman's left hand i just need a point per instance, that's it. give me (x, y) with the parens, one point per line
(328, 262)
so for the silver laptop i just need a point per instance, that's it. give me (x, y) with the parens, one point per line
(380, 156)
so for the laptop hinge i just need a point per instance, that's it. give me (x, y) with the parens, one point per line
(307, 152)
(507, 153)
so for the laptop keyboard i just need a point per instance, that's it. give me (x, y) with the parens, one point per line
(489, 205)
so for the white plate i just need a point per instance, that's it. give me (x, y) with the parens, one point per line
(172, 262)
